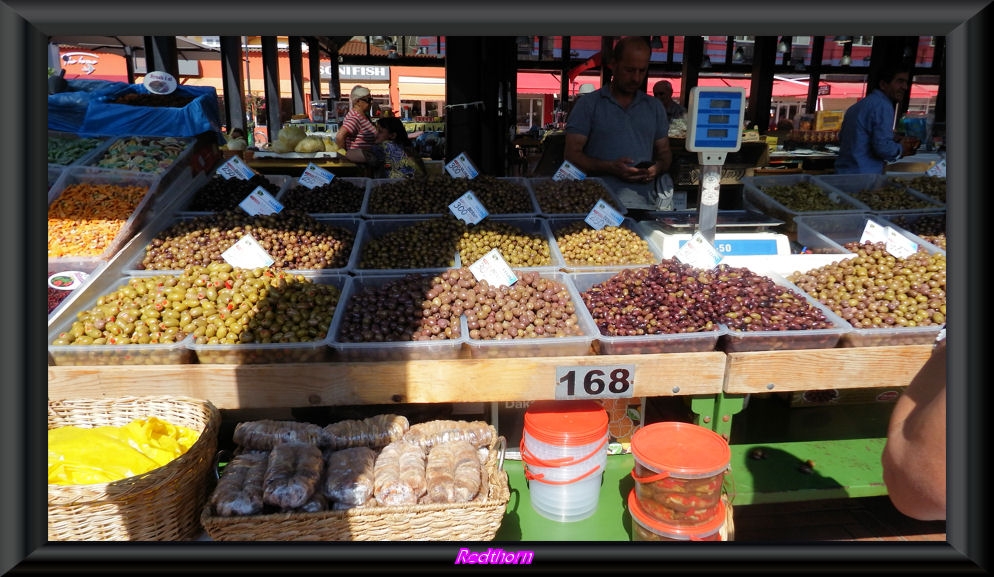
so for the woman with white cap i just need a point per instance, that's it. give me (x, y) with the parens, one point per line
(357, 135)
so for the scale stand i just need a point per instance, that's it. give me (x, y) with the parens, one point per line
(714, 129)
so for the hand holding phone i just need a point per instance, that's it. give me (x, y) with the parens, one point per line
(645, 164)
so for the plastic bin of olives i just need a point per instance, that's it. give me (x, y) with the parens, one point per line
(879, 192)
(133, 323)
(586, 249)
(785, 196)
(558, 198)
(837, 230)
(931, 186)
(284, 317)
(432, 195)
(219, 194)
(633, 322)
(537, 316)
(774, 314)
(343, 197)
(928, 226)
(398, 317)
(888, 300)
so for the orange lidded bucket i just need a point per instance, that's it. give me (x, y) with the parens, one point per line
(564, 450)
(647, 528)
(678, 473)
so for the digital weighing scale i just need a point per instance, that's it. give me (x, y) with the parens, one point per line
(714, 128)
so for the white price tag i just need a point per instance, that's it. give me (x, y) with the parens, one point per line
(567, 171)
(259, 201)
(698, 253)
(939, 169)
(603, 214)
(494, 269)
(873, 232)
(468, 208)
(461, 167)
(235, 167)
(315, 176)
(899, 245)
(246, 253)
(606, 382)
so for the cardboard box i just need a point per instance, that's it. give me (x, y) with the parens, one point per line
(828, 119)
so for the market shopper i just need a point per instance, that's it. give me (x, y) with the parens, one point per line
(914, 457)
(866, 139)
(357, 135)
(620, 134)
(663, 91)
(394, 152)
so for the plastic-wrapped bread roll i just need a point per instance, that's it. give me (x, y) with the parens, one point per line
(377, 431)
(431, 433)
(292, 475)
(467, 471)
(348, 479)
(315, 504)
(440, 474)
(239, 490)
(265, 434)
(390, 486)
(412, 467)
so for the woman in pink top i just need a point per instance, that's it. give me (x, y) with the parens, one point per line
(357, 135)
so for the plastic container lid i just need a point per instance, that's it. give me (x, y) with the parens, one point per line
(665, 529)
(681, 449)
(566, 422)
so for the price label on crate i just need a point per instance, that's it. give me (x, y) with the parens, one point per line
(899, 245)
(468, 208)
(235, 167)
(315, 176)
(939, 169)
(247, 253)
(461, 167)
(603, 214)
(873, 232)
(259, 201)
(698, 253)
(568, 171)
(494, 269)
(602, 382)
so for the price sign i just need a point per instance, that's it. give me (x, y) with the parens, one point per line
(246, 253)
(259, 201)
(235, 167)
(939, 169)
(698, 253)
(605, 382)
(461, 167)
(899, 245)
(315, 176)
(603, 214)
(567, 171)
(873, 232)
(468, 208)
(68, 280)
(745, 246)
(494, 269)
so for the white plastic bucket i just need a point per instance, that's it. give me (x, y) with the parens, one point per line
(564, 450)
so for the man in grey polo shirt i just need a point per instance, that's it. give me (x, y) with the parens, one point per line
(620, 134)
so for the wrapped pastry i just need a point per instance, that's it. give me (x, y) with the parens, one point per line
(348, 479)
(467, 471)
(265, 434)
(239, 490)
(440, 471)
(292, 475)
(396, 480)
(431, 433)
(377, 431)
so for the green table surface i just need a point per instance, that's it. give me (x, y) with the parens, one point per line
(610, 521)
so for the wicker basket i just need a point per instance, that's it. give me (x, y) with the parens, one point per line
(161, 505)
(473, 521)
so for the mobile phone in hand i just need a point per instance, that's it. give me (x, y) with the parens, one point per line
(645, 164)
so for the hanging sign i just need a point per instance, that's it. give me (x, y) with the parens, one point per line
(159, 82)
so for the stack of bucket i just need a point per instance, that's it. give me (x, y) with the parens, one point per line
(564, 450)
(678, 473)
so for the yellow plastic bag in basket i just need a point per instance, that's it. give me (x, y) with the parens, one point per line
(84, 456)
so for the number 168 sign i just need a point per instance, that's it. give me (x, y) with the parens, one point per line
(611, 382)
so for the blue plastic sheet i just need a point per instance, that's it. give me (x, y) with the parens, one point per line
(67, 110)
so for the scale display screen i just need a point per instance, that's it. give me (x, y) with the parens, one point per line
(715, 119)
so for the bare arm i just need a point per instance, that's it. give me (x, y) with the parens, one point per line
(914, 458)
